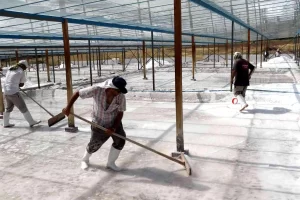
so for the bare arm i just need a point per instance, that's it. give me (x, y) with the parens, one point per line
(66, 110)
(251, 70)
(233, 74)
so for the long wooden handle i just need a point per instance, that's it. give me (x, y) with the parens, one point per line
(132, 141)
(36, 102)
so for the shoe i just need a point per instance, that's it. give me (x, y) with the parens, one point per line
(29, 119)
(242, 100)
(112, 157)
(6, 123)
(85, 160)
(243, 108)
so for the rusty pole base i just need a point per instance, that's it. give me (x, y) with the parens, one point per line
(145, 78)
(180, 156)
(176, 154)
(193, 79)
(71, 129)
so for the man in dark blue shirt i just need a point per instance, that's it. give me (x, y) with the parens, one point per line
(241, 76)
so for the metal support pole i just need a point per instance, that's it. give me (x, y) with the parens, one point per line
(144, 60)
(261, 51)
(226, 53)
(218, 53)
(71, 121)
(93, 54)
(138, 57)
(163, 55)
(1, 99)
(208, 53)
(178, 75)
(90, 62)
(47, 65)
(53, 71)
(248, 50)
(193, 57)
(214, 52)
(100, 61)
(78, 62)
(232, 38)
(123, 59)
(256, 50)
(37, 68)
(152, 52)
(17, 56)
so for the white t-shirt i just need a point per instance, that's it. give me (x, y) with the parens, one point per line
(12, 81)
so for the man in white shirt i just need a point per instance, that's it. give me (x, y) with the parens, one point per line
(15, 78)
(109, 103)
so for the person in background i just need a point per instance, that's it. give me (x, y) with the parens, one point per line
(277, 53)
(14, 79)
(266, 55)
(241, 76)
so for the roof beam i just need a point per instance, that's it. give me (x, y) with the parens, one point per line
(217, 9)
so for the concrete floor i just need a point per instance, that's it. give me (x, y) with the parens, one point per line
(234, 156)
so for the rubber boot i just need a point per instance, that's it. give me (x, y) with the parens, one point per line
(29, 119)
(6, 123)
(85, 160)
(242, 100)
(112, 157)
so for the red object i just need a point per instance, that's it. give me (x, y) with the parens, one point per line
(234, 101)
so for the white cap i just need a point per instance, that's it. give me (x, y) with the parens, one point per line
(24, 62)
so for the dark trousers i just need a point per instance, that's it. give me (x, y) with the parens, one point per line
(99, 137)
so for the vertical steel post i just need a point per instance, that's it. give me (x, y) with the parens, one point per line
(78, 61)
(218, 52)
(163, 55)
(256, 50)
(232, 38)
(214, 52)
(248, 49)
(144, 60)
(261, 50)
(152, 48)
(193, 57)
(178, 75)
(90, 62)
(100, 61)
(47, 65)
(124, 59)
(53, 71)
(208, 53)
(71, 121)
(226, 53)
(37, 69)
(138, 57)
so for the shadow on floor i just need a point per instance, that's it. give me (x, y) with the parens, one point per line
(275, 111)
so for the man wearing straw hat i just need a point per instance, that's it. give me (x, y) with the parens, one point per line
(14, 79)
(109, 103)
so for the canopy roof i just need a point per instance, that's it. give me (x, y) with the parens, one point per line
(104, 22)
